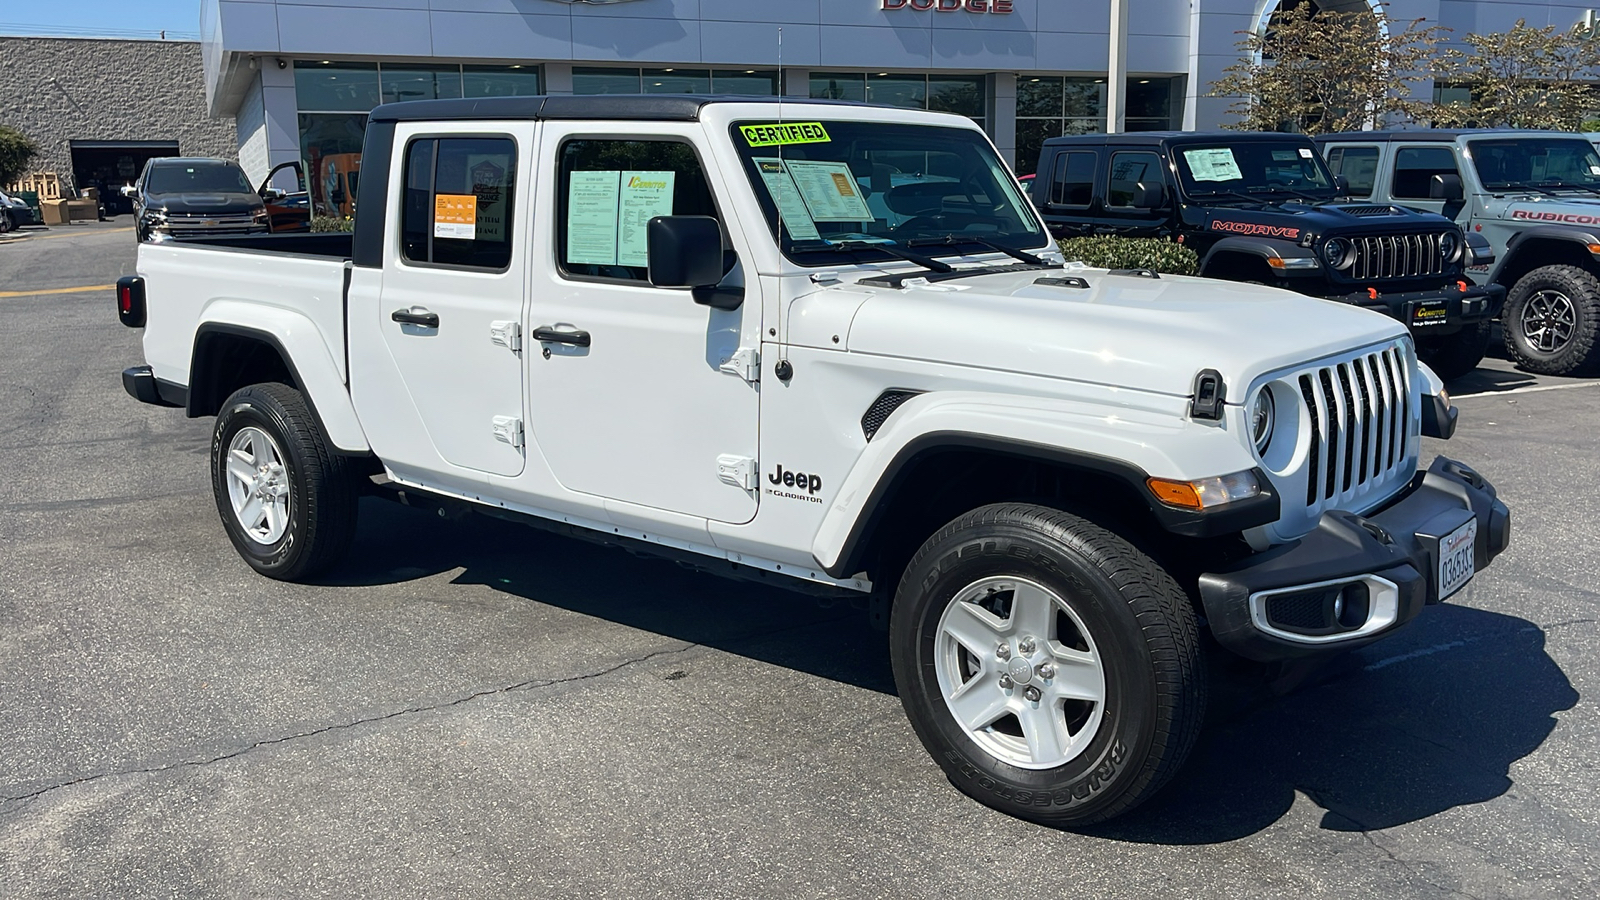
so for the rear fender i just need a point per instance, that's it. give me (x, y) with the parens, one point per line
(304, 352)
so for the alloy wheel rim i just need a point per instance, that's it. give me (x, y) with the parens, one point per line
(258, 486)
(1019, 672)
(1548, 320)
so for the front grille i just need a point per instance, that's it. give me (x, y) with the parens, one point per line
(1396, 256)
(1360, 413)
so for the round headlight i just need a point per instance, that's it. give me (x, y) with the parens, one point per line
(1339, 253)
(1262, 413)
(1449, 246)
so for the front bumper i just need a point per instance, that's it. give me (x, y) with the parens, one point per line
(1386, 561)
(1435, 312)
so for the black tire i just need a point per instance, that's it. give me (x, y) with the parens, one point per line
(1138, 622)
(321, 487)
(1571, 351)
(1453, 356)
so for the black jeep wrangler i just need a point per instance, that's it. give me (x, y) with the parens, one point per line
(1263, 208)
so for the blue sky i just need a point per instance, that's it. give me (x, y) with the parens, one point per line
(101, 18)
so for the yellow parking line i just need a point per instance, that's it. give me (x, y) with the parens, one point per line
(45, 237)
(71, 290)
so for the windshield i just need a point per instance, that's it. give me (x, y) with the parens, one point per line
(1505, 163)
(1253, 167)
(198, 178)
(843, 185)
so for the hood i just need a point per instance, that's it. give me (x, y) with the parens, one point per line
(218, 203)
(1291, 220)
(1132, 332)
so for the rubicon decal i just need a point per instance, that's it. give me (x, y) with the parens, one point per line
(1277, 231)
(1541, 215)
(800, 481)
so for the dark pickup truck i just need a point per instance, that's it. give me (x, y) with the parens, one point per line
(1263, 208)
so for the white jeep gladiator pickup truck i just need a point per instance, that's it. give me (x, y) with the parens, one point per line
(832, 345)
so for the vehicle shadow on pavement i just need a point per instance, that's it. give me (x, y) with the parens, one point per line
(827, 637)
(1428, 720)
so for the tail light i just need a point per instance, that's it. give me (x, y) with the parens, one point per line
(130, 301)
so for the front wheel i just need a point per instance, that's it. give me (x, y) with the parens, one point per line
(1550, 321)
(287, 501)
(1050, 668)
(1455, 355)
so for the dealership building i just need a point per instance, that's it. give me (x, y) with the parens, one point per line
(295, 79)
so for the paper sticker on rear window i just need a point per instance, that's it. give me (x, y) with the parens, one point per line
(1212, 164)
(785, 133)
(455, 216)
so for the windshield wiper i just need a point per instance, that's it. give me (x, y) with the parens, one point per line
(1569, 185)
(1301, 194)
(952, 240)
(1235, 194)
(927, 262)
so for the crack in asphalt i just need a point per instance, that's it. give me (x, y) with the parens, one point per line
(1367, 833)
(530, 684)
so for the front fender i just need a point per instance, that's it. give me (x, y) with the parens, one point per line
(1525, 242)
(1128, 444)
(1267, 251)
(304, 350)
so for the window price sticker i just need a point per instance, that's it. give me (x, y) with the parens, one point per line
(455, 216)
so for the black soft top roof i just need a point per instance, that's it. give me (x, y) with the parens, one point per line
(642, 107)
(1156, 138)
(1437, 134)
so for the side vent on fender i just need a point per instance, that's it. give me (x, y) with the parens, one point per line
(882, 408)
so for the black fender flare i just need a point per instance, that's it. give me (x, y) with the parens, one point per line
(1586, 238)
(1259, 510)
(1264, 249)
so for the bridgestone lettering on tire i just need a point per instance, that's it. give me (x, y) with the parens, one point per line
(287, 501)
(1551, 319)
(1071, 726)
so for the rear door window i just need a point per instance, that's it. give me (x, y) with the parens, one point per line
(459, 202)
(1072, 181)
(1129, 169)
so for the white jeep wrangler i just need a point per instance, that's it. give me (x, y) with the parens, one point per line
(831, 345)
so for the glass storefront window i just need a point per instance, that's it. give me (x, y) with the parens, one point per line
(339, 87)
(330, 145)
(1052, 105)
(605, 81)
(962, 95)
(1085, 98)
(420, 83)
(909, 91)
(677, 81)
(499, 81)
(839, 86)
(1039, 96)
(748, 82)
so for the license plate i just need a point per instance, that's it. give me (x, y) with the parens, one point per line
(1457, 564)
(1425, 313)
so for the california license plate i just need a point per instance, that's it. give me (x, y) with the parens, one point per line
(1457, 562)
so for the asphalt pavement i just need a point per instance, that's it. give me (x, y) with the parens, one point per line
(474, 708)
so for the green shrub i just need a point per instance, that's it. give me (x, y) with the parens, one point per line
(332, 223)
(1112, 252)
(17, 153)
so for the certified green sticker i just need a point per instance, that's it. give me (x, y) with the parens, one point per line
(785, 133)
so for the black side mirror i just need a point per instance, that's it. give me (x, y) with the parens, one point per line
(1150, 196)
(686, 252)
(1341, 185)
(1445, 187)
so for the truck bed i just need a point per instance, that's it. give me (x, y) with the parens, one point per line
(298, 278)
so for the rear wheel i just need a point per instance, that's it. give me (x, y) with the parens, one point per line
(1550, 321)
(1050, 668)
(287, 501)
(1455, 355)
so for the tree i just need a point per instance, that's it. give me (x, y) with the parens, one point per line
(1320, 71)
(17, 153)
(1523, 78)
